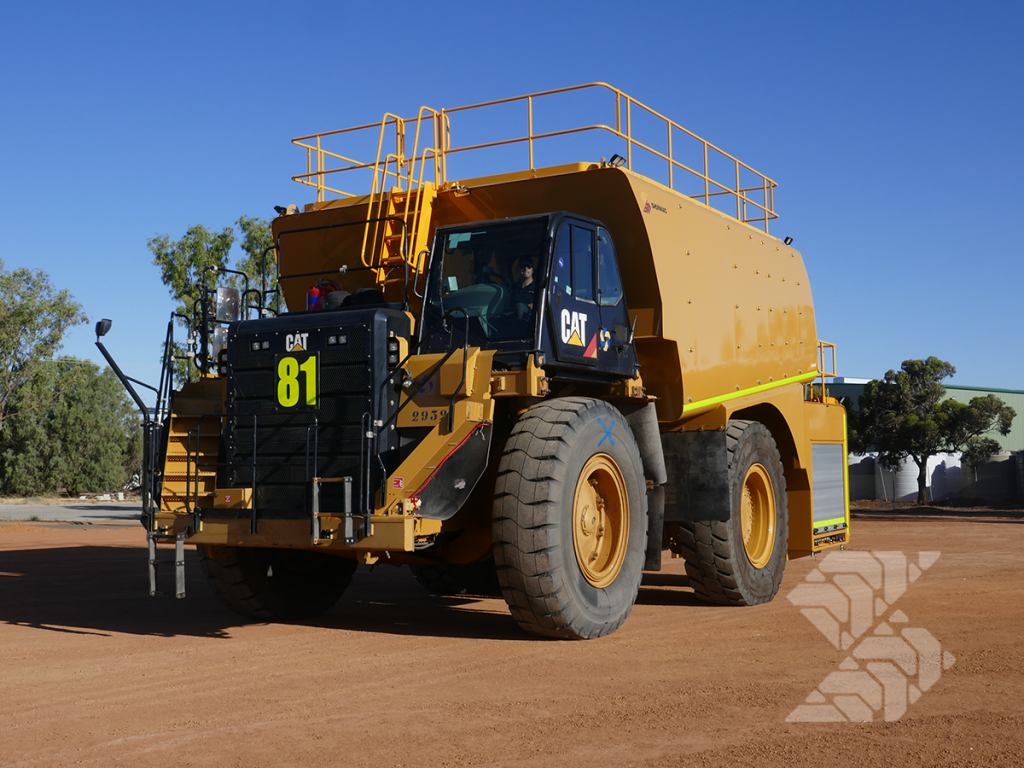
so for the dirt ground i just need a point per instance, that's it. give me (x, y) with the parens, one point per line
(94, 672)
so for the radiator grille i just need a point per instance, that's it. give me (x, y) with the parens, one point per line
(293, 445)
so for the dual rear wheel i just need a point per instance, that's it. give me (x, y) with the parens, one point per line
(740, 561)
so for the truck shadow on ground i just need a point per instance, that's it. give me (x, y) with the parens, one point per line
(101, 590)
(666, 589)
(104, 590)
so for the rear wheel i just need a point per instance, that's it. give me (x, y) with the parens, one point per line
(741, 561)
(570, 519)
(276, 584)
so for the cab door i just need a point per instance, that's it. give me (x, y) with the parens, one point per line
(614, 350)
(574, 314)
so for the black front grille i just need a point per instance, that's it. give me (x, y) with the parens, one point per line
(283, 448)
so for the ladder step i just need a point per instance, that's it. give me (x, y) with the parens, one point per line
(174, 558)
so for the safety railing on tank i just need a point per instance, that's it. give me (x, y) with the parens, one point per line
(754, 200)
(826, 353)
(323, 164)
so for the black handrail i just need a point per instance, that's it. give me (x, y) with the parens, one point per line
(252, 511)
(414, 348)
(344, 267)
(151, 419)
(368, 440)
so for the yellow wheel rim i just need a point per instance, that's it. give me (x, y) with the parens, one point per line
(757, 516)
(600, 520)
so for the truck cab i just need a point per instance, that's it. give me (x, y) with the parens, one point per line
(546, 285)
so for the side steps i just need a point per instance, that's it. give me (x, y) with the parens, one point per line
(155, 562)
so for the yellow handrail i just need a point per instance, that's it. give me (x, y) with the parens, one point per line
(822, 371)
(750, 209)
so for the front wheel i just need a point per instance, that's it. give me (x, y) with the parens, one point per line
(276, 584)
(570, 519)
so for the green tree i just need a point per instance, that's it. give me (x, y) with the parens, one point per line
(204, 253)
(256, 239)
(183, 262)
(183, 266)
(86, 438)
(905, 415)
(27, 455)
(34, 317)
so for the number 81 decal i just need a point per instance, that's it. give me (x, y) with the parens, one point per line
(296, 377)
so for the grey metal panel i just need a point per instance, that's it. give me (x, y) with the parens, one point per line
(827, 486)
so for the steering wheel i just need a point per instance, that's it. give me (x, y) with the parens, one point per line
(491, 278)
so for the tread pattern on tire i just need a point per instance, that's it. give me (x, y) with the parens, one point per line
(528, 490)
(710, 553)
(239, 579)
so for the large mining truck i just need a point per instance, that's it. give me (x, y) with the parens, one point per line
(538, 379)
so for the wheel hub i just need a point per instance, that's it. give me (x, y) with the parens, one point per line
(600, 530)
(757, 516)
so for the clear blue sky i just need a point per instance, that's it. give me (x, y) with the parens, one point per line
(893, 130)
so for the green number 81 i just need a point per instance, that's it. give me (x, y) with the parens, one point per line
(288, 369)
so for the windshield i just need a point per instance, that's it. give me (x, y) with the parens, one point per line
(492, 271)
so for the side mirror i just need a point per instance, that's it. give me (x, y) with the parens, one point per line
(103, 327)
(227, 305)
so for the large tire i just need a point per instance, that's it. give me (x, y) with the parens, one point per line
(276, 584)
(474, 579)
(570, 519)
(741, 561)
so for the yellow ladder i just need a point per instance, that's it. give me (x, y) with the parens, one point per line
(387, 243)
(193, 441)
(402, 244)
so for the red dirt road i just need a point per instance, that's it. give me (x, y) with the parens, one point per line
(94, 672)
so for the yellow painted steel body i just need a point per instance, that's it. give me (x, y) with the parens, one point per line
(716, 301)
(725, 323)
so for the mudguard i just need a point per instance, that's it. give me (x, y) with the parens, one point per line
(698, 471)
(447, 489)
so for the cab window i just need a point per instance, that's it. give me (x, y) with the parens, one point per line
(479, 269)
(561, 273)
(609, 286)
(583, 263)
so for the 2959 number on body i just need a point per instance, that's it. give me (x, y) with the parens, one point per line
(427, 415)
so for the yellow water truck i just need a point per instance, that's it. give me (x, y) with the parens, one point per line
(533, 381)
